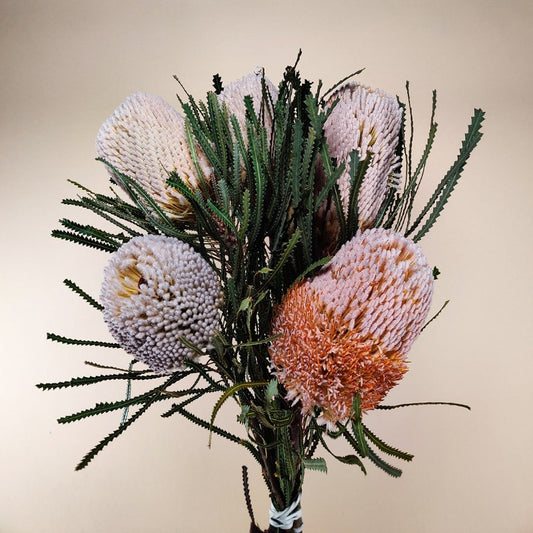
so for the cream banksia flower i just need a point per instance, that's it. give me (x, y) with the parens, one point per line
(145, 139)
(348, 330)
(251, 85)
(368, 121)
(155, 290)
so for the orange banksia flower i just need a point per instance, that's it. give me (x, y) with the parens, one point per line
(348, 330)
(145, 139)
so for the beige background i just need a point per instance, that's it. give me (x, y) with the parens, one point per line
(65, 65)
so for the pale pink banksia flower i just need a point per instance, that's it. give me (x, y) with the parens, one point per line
(233, 95)
(348, 329)
(145, 139)
(157, 289)
(368, 121)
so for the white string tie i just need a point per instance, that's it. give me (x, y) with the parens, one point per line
(285, 519)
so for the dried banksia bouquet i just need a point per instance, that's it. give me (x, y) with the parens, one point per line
(263, 250)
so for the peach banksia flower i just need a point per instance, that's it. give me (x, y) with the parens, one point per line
(157, 289)
(251, 85)
(348, 330)
(368, 121)
(145, 139)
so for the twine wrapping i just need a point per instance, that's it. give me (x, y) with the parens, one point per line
(285, 519)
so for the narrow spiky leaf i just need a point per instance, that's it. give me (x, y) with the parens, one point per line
(90, 380)
(411, 404)
(380, 463)
(386, 448)
(112, 436)
(230, 392)
(216, 430)
(104, 407)
(448, 183)
(90, 300)
(114, 239)
(84, 241)
(346, 459)
(80, 342)
(317, 463)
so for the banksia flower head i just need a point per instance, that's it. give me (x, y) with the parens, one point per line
(155, 290)
(251, 85)
(145, 139)
(368, 121)
(348, 330)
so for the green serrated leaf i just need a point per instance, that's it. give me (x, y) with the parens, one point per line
(271, 390)
(80, 342)
(443, 191)
(230, 392)
(90, 380)
(84, 241)
(91, 301)
(317, 464)
(312, 267)
(346, 459)
(245, 304)
(105, 407)
(383, 465)
(411, 404)
(289, 249)
(112, 436)
(357, 425)
(384, 447)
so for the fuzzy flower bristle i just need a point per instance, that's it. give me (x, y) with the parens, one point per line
(251, 85)
(368, 121)
(145, 139)
(155, 290)
(348, 330)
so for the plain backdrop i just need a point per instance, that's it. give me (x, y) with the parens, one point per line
(66, 64)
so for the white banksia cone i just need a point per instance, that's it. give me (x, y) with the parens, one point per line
(348, 329)
(368, 121)
(157, 289)
(145, 139)
(251, 85)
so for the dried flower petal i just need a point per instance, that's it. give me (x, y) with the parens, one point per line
(348, 330)
(155, 290)
(145, 139)
(368, 121)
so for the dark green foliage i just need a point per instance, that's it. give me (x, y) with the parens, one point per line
(106, 407)
(83, 294)
(79, 238)
(386, 448)
(317, 463)
(90, 380)
(443, 191)
(397, 210)
(389, 407)
(113, 435)
(336, 85)
(80, 342)
(217, 84)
